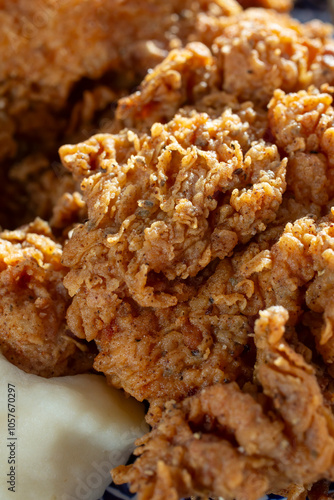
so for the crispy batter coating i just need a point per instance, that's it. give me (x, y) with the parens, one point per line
(172, 352)
(148, 272)
(167, 205)
(33, 302)
(248, 56)
(204, 339)
(187, 79)
(224, 442)
(260, 51)
(303, 126)
(204, 271)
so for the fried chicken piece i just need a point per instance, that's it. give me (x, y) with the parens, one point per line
(260, 51)
(173, 352)
(33, 303)
(164, 350)
(224, 442)
(112, 304)
(204, 339)
(303, 126)
(256, 53)
(166, 204)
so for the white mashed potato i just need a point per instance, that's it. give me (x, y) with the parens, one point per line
(60, 437)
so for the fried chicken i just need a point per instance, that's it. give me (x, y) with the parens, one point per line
(192, 231)
(248, 56)
(303, 126)
(171, 203)
(204, 272)
(33, 301)
(44, 108)
(260, 51)
(203, 338)
(230, 443)
(183, 77)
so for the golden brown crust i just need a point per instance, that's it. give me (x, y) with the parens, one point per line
(260, 51)
(203, 220)
(168, 203)
(222, 442)
(249, 56)
(177, 260)
(303, 126)
(183, 77)
(33, 303)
